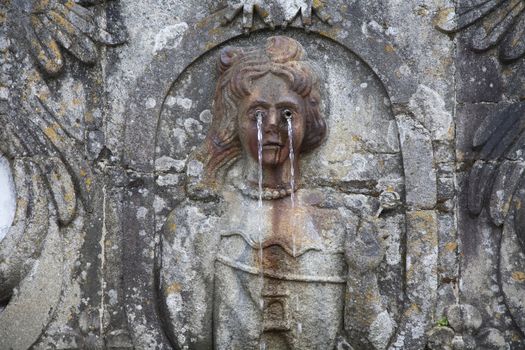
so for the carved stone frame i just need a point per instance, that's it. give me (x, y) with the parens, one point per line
(143, 112)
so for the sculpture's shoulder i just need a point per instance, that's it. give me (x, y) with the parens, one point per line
(330, 209)
(191, 226)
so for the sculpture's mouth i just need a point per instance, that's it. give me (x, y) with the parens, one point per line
(272, 145)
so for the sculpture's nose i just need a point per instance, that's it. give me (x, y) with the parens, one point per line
(272, 121)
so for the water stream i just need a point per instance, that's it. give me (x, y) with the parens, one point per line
(292, 200)
(259, 205)
(259, 116)
(292, 181)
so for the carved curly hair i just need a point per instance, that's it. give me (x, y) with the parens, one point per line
(238, 68)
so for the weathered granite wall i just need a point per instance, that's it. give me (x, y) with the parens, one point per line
(123, 224)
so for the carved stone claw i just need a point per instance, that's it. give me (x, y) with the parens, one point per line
(247, 15)
(263, 9)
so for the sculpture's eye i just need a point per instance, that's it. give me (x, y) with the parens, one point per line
(286, 113)
(259, 114)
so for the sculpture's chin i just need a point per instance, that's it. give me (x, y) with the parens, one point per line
(273, 156)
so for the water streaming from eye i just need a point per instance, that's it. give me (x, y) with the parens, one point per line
(292, 180)
(262, 344)
(292, 200)
(259, 156)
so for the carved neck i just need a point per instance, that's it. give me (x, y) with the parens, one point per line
(277, 177)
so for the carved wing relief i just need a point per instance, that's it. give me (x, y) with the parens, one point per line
(496, 182)
(498, 23)
(43, 145)
(496, 179)
(50, 25)
(46, 200)
(497, 185)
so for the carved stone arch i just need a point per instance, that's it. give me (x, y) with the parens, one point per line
(143, 112)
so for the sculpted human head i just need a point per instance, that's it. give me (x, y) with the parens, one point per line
(276, 105)
(275, 82)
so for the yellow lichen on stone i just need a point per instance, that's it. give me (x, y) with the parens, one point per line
(389, 48)
(216, 31)
(372, 297)
(442, 16)
(21, 202)
(88, 181)
(317, 4)
(69, 196)
(51, 133)
(69, 4)
(425, 218)
(62, 22)
(55, 49)
(518, 276)
(76, 102)
(263, 13)
(332, 33)
(62, 110)
(398, 73)
(413, 309)
(173, 288)
(451, 246)
(40, 5)
(43, 94)
(515, 336)
(88, 117)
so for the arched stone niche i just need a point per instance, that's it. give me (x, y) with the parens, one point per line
(372, 141)
(360, 158)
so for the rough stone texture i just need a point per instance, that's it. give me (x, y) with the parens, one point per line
(103, 104)
(463, 318)
(440, 338)
(420, 175)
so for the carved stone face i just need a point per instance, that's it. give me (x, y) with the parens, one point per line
(272, 98)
